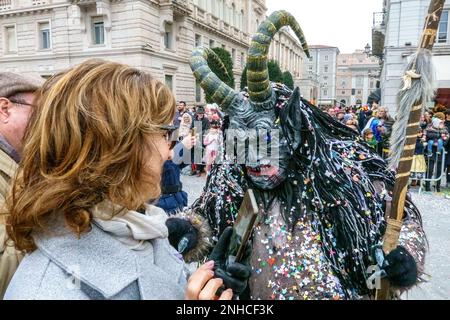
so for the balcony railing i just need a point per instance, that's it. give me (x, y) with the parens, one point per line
(16, 4)
(5, 5)
(183, 3)
(39, 2)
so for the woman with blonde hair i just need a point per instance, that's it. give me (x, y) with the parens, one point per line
(93, 156)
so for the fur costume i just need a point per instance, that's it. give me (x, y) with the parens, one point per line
(322, 194)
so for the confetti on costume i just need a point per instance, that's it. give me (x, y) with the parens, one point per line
(322, 198)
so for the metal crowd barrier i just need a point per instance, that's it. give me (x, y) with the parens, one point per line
(434, 178)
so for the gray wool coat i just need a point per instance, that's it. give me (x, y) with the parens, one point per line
(97, 266)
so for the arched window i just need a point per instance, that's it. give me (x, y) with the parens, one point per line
(343, 103)
(359, 102)
(212, 7)
(168, 34)
(233, 14)
(220, 9)
(225, 12)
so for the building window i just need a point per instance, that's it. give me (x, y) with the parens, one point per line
(233, 55)
(198, 40)
(325, 84)
(44, 35)
(342, 92)
(98, 30)
(344, 61)
(326, 58)
(168, 35)
(168, 79)
(325, 78)
(233, 8)
(311, 58)
(10, 39)
(212, 43)
(359, 91)
(443, 27)
(310, 67)
(359, 81)
(325, 92)
(343, 83)
(325, 69)
(198, 92)
(242, 59)
(371, 84)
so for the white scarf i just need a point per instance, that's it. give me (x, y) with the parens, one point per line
(131, 227)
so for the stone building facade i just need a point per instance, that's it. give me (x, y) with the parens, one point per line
(357, 76)
(402, 26)
(319, 75)
(47, 36)
(286, 49)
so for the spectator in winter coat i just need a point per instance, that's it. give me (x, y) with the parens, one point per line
(17, 95)
(437, 138)
(418, 167)
(179, 114)
(447, 156)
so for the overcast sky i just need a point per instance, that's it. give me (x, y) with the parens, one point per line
(346, 24)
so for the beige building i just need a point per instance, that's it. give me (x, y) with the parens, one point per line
(47, 36)
(286, 49)
(357, 76)
(318, 83)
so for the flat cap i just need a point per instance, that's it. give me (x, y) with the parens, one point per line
(12, 83)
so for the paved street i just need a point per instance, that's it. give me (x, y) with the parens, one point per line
(435, 209)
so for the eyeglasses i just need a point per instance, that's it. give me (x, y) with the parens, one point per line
(169, 135)
(22, 103)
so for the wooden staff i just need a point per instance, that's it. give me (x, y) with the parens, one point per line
(395, 214)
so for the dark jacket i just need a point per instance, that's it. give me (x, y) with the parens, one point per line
(420, 148)
(435, 134)
(177, 118)
(205, 123)
(173, 198)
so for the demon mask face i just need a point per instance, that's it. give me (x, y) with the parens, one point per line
(255, 125)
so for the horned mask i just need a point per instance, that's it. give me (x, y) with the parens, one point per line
(254, 118)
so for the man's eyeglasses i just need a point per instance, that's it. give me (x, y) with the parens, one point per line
(169, 135)
(22, 103)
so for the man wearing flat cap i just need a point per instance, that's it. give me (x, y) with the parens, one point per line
(16, 104)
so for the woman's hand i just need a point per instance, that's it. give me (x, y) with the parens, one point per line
(202, 286)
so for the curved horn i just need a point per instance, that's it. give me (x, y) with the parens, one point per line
(220, 92)
(257, 73)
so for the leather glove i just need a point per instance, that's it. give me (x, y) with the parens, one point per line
(401, 268)
(235, 275)
(182, 235)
